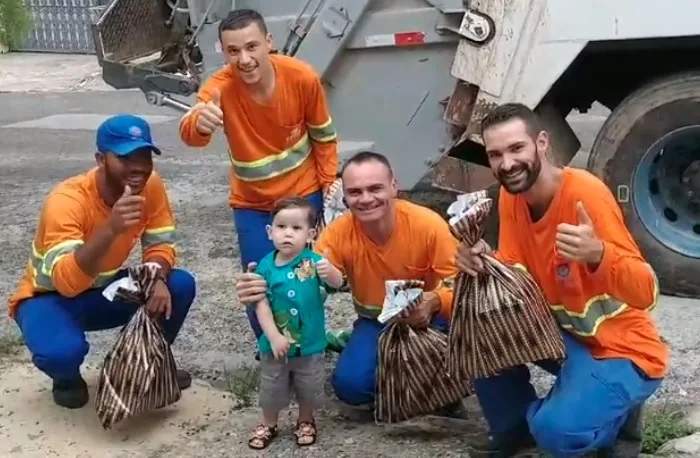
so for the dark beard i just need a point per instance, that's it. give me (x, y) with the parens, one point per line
(114, 183)
(531, 175)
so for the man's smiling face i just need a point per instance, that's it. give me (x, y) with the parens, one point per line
(514, 155)
(369, 189)
(247, 51)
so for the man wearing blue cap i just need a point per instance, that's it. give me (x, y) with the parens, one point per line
(87, 228)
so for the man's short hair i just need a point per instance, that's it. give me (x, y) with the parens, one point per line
(241, 18)
(509, 111)
(367, 156)
(288, 203)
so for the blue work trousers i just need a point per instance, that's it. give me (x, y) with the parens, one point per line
(354, 378)
(584, 410)
(53, 326)
(254, 244)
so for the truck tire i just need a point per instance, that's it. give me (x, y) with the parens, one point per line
(647, 152)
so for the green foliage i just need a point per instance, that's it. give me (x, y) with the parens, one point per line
(243, 384)
(9, 345)
(15, 22)
(664, 425)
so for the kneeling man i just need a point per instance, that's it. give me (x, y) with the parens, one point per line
(87, 228)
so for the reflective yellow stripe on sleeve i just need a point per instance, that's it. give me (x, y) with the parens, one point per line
(324, 132)
(42, 265)
(55, 253)
(152, 237)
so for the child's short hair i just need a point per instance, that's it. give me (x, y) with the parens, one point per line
(287, 203)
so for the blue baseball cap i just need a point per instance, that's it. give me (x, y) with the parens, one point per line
(124, 134)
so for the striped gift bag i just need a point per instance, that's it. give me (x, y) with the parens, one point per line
(333, 205)
(412, 379)
(500, 319)
(139, 373)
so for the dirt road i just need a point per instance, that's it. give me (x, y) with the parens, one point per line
(48, 136)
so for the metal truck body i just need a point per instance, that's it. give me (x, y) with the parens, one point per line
(413, 78)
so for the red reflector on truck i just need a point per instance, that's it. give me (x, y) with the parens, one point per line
(395, 39)
(409, 38)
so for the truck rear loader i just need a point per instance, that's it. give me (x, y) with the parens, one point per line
(413, 78)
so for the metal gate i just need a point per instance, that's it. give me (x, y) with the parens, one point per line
(61, 26)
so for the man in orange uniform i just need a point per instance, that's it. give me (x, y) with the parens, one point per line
(381, 238)
(281, 137)
(565, 228)
(88, 226)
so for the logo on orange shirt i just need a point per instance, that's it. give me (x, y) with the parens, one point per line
(563, 270)
(294, 135)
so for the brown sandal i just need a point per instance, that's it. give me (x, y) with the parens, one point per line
(262, 437)
(306, 433)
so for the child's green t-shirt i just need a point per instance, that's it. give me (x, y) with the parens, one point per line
(296, 295)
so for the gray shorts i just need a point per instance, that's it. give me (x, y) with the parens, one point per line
(303, 375)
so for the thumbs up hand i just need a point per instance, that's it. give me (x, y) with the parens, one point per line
(251, 287)
(126, 212)
(323, 267)
(579, 243)
(328, 272)
(211, 117)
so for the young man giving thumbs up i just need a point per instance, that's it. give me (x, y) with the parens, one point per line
(564, 227)
(88, 226)
(273, 110)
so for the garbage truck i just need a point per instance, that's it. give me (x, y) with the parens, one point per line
(413, 78)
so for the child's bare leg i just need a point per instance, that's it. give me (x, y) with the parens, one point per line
(270, 417)
(306, 424)
(306, 412)
(309, 379)
(274, 396)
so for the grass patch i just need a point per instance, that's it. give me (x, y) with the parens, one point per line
(243, 384)
(10, 345)
(663, 425)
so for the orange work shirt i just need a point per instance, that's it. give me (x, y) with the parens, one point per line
(608, 309)
(286, 147)
(421, 247)
(71, 214)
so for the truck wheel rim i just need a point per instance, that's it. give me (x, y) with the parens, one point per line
(666, 190)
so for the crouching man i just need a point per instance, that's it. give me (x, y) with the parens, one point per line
(564, 227)
(87, 228)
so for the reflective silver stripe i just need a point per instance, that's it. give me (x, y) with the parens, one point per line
(55, 253)
(274, 165)
(42, 266)
(45, 282)
(586, 323)
(597, 310)
(41, 281)
(366, 311)
(324, 132)
(157, 236)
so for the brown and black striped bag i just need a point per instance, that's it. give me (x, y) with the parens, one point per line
(500, 319)
(333, 206)
(412, 378)
(139, 373)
